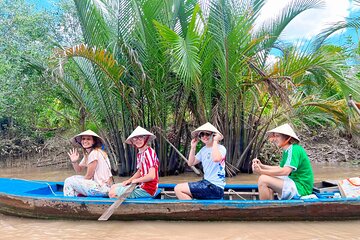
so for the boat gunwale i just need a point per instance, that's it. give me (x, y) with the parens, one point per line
(108, 201)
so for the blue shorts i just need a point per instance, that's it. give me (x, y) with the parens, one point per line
(205, 190)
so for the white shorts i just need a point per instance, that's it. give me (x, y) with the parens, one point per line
(289, 189)
(78, 185)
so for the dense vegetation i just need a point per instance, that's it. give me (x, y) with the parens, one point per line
(29, 103)
(170, 66)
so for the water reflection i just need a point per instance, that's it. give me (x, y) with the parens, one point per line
(18, 228)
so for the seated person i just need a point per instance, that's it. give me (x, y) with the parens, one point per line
(98, 177)
(294, 177)
(212, 157)
(147, 167)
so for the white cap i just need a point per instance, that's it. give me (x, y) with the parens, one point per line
(285, 129)
(139, 131)
(206, 127)
(76, 140)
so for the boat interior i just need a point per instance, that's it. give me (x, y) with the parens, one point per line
(32, 188)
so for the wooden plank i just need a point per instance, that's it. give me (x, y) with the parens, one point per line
(231, 195)
(225, 193)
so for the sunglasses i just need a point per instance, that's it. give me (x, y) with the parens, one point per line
(138, 138)
(202, 134)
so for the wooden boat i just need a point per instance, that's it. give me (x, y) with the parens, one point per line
(41, 199)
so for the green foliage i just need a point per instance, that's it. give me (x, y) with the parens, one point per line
(172, 65)
(32, 102)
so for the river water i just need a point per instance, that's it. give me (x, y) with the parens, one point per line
(23, 228)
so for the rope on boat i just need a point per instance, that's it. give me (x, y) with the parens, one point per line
(167, 194)
(52, 191)
(237, 194)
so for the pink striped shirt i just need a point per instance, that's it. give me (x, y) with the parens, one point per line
(145, 161)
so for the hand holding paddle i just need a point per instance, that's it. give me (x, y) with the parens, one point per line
(126, 182)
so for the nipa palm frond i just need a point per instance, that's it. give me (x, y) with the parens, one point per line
(100, 57)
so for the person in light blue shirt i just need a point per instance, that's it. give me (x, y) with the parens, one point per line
(212, 157)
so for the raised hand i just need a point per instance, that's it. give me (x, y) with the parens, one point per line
(194, 142)
(217, 137)
(73, 154)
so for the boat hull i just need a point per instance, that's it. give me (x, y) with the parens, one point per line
(53, 206)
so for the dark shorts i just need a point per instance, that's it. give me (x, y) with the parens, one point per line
(205, 190)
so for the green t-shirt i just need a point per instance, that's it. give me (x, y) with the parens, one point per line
(302, 174)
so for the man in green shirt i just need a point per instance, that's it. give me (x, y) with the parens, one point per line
(294, 177)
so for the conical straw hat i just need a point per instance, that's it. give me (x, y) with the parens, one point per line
(139, 131)
(285, 129)
(76, 141)
(206, 127)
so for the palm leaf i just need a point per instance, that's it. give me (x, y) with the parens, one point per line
(92, 20)
(274, 28)
(102, 58)
(184, 50)
(349, 23)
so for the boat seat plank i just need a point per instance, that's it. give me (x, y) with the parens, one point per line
(251, 195)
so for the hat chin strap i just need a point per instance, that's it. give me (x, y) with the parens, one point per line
(145, 142)
(286, 142)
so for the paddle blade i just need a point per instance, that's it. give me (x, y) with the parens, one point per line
(107, 214)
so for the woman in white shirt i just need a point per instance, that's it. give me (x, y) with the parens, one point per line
(98, 178)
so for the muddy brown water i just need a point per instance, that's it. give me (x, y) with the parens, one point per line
(23, 228)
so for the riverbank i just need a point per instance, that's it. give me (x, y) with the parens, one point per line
(26, 152)
(322, 146)
(331, 146)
